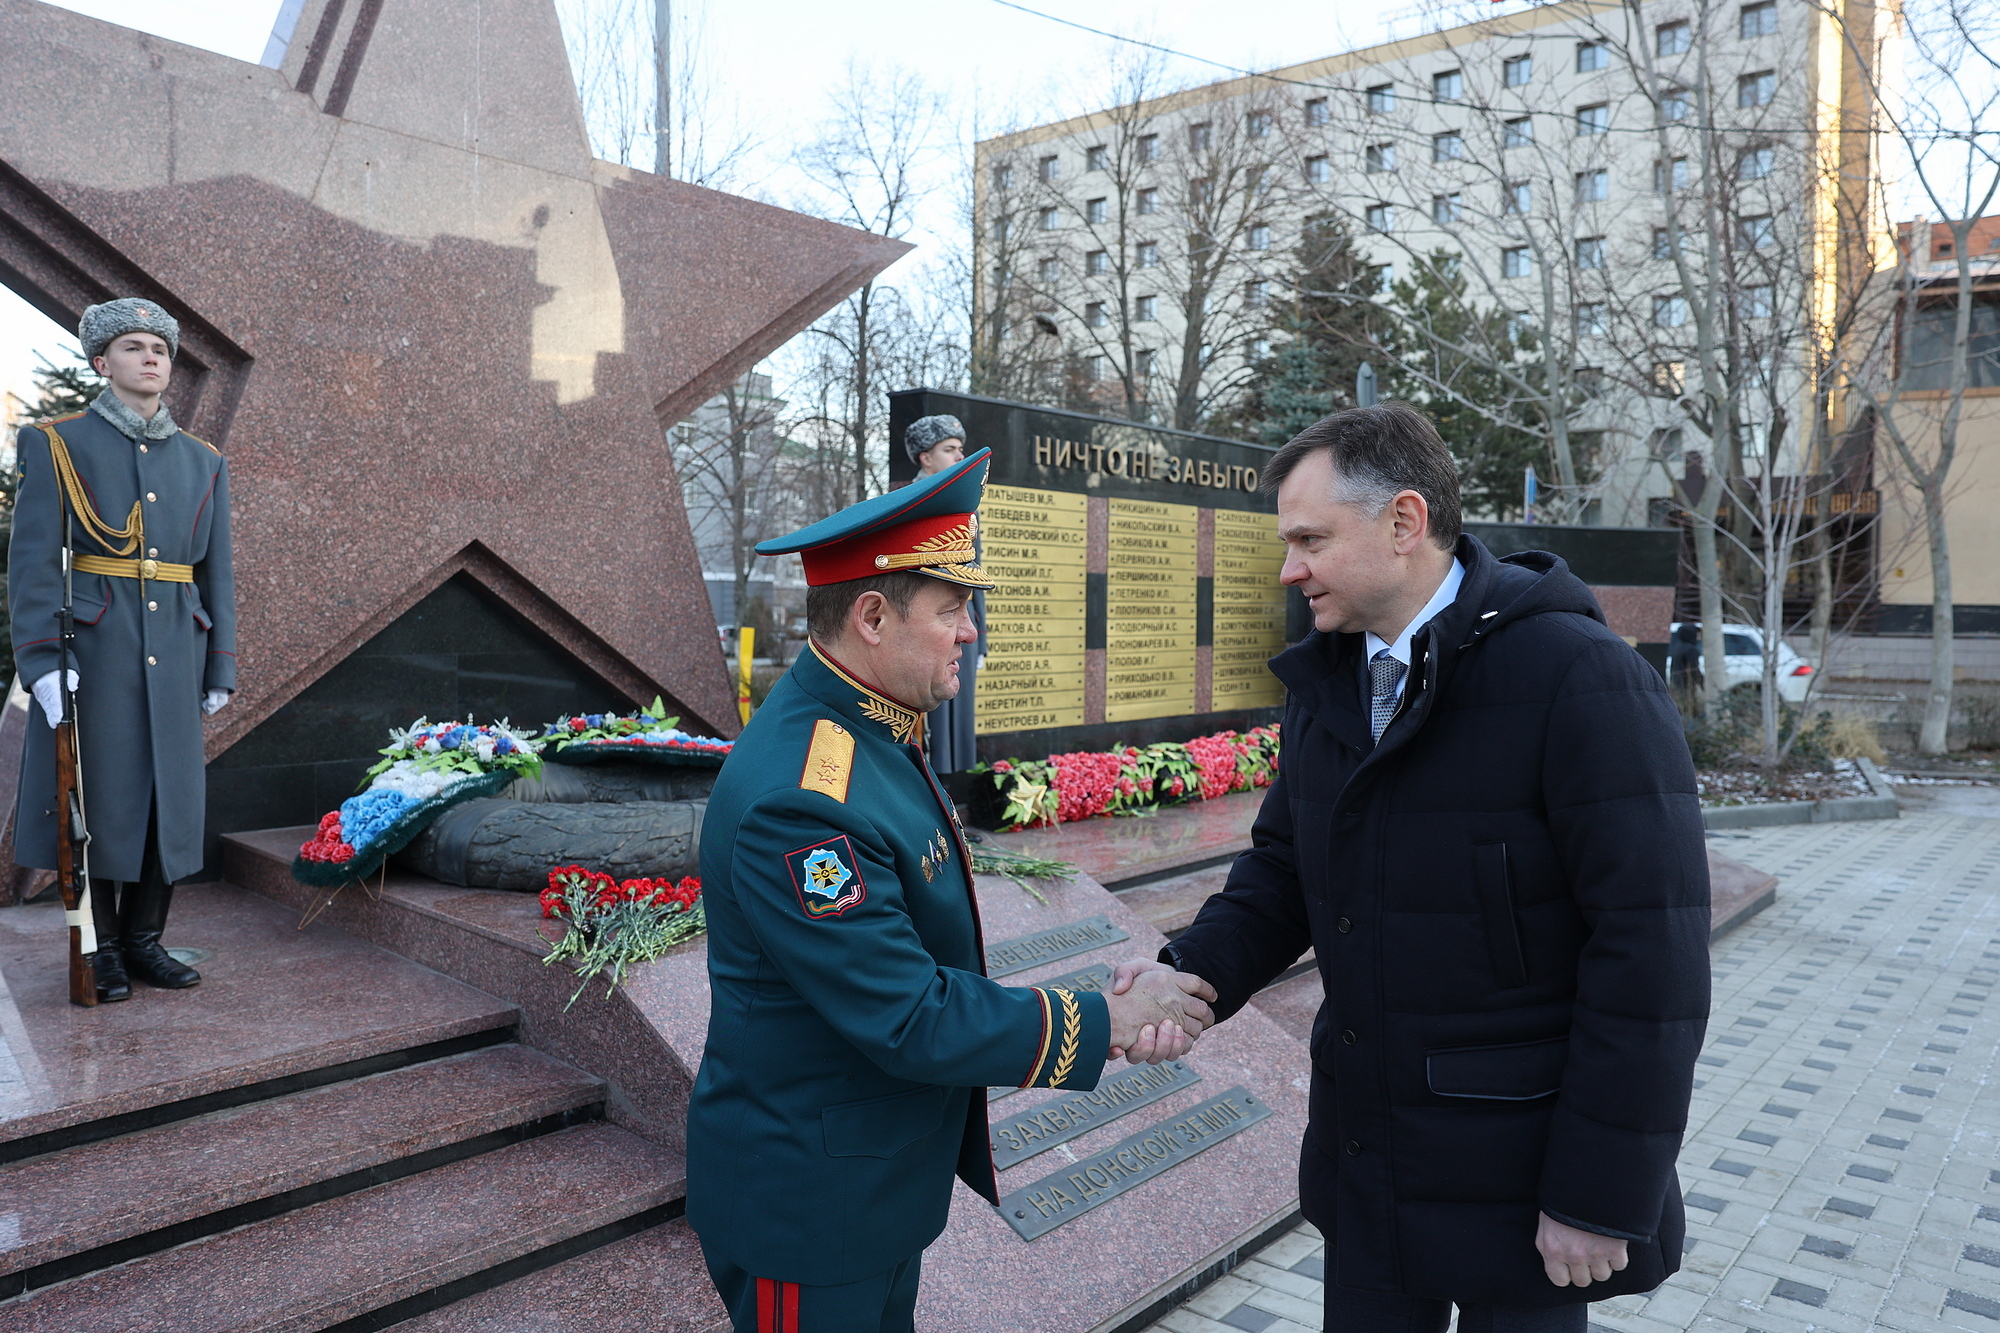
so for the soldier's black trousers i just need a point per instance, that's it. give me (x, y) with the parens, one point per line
(115, 897)
(884, 1303)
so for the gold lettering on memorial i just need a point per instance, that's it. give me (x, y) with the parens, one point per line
(1150, 592)
(1139, 462)
(1249, 625)
(1032, 543)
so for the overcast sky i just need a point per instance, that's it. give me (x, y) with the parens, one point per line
(777, 61)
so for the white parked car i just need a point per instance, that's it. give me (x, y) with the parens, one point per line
(1743, 654)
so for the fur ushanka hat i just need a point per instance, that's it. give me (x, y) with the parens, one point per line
(127, 314)
(927, 433)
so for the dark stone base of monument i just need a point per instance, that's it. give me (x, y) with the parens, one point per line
(459, 652)
(504, 844)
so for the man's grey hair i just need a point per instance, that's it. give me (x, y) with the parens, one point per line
(1377, 453)
(828, 605)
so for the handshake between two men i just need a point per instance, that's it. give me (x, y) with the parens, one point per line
(1157, 1013)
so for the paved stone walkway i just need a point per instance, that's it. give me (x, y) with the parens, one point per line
(1840, 1168)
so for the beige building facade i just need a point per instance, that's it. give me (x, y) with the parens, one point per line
(1921, 405)
(1629, 199)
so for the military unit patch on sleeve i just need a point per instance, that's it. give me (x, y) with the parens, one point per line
(827, 875)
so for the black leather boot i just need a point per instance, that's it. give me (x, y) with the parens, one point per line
(108, 962)
(145, 910)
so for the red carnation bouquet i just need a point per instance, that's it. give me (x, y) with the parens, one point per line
(616, 923)
(1135, 780)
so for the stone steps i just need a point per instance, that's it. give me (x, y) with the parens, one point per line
(103, 1203)
(653, 1282)
(321, 1136)
(277, 1011)
(397, 1249)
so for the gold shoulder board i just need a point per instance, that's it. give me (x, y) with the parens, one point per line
(830, 761)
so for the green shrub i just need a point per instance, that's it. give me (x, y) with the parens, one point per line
(1734, 733)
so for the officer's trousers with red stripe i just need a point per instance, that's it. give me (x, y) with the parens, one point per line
(884, 1303)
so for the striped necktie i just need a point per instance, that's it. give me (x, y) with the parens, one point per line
(1385, 673)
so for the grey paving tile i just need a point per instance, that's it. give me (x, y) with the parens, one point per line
(1842, 1165)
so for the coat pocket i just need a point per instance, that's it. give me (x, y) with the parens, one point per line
(1519, 1072)
(882, 1126)
(201, 620)
(90, 597)
(1496, 902)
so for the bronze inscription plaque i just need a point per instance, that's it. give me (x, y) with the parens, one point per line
(1071, 1191)
(1018, 955)
(1036, 1129)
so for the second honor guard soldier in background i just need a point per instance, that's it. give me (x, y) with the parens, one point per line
(852, 1029)
(147, 507)
(935, 443)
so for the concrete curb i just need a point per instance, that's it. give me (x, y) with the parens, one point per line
(1880, 803)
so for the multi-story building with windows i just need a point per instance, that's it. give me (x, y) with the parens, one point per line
(1655, 211)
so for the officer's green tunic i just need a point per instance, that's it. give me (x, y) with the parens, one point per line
(852, 1030)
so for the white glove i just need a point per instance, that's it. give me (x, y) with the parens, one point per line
(213, 702)
(50, 696)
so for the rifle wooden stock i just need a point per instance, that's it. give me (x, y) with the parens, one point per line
(75, 891)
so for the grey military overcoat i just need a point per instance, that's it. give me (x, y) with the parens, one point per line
(143, 661)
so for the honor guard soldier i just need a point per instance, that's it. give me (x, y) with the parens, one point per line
(852, 1029)
(935, 443)
(145, 509)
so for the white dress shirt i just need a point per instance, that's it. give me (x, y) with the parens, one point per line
(1446, 594)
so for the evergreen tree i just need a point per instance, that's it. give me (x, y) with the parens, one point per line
(1293, 388)
(61, 390)
(1320, 336)
(1442, 353)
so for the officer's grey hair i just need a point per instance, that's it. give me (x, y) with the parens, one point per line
(828, 606)
(927, 433)
(128, 314)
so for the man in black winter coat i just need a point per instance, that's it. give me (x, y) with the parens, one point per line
(1486, 826)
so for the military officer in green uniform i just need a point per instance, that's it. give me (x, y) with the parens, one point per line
(852, 1030)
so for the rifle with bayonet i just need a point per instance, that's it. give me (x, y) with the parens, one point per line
(73, 830)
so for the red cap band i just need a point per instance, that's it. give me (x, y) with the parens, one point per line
(939, 539)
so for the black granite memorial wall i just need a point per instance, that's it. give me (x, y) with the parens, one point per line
(458, 652)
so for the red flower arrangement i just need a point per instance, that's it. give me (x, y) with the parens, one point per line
(326, 845)
(1067, 787)
(603, 892)
(1215, 763)
(616, 923)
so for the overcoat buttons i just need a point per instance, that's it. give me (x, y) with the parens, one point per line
(1353, 1148)
(1347, 1035)
(152, 606)
(152, 661)
(152, 497)
(1343, 925)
